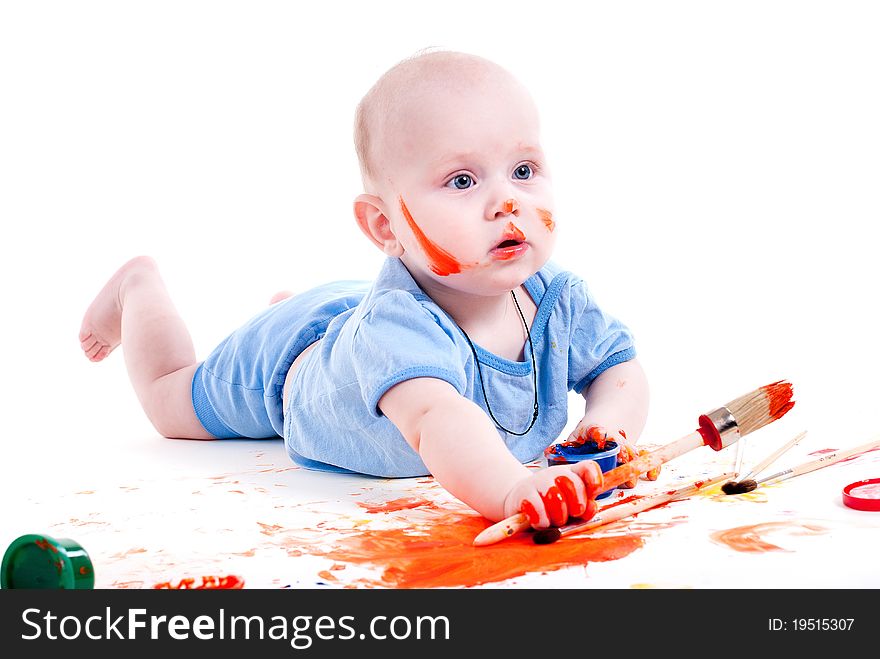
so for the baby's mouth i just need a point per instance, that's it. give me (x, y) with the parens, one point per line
(509, 248)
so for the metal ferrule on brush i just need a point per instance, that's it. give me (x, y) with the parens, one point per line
(719, 428)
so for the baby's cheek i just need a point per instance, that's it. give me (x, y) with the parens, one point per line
(546, 218)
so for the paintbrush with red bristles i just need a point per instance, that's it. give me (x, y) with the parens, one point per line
(717, 429)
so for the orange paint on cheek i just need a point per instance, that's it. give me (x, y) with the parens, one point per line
(440, 261)
(547, 218)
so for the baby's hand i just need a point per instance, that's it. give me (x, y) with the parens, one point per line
(590, 432)
(629, 453)
(548, 497)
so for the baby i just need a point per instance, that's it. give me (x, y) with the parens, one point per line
(455, 361)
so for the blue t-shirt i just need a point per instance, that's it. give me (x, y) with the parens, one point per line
(397, 332)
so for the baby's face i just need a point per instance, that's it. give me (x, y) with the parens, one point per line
(467, 187)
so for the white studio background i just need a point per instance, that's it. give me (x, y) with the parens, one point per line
(715, 165)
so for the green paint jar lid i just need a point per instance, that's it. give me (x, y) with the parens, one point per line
(41, 561)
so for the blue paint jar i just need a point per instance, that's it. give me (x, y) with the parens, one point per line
(607, 459)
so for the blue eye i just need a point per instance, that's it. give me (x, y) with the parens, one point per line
(461, 181)
(523, 172)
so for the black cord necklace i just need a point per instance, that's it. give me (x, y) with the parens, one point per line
(534, 373)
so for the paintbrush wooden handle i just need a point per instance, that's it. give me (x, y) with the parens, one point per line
(766, 462)
(620, 511)
(612, 478)
(631, 470)
(503, 529)
(833, 458)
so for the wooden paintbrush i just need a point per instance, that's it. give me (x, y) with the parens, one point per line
(620, 511)
(805, 468)
(735, 487)
(717, 429)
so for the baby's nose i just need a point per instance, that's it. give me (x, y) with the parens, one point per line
(509, 206)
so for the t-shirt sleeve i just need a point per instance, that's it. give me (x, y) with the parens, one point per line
(399, 339)
(598, 340)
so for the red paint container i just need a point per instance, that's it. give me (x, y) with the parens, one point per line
(863, 495)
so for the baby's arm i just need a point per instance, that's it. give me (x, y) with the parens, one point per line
(617, 407)
(616, 401)
(460, 446)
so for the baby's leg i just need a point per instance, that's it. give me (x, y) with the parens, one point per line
(134, 309)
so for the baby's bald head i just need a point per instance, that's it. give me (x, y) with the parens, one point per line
(401, 98)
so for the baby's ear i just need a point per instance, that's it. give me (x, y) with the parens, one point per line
(370, 215)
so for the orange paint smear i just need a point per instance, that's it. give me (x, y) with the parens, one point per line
(779, 396)
(547, 218)
(440, 261)
(441, 554)
(749, 538)
(397, 504)
(514, 232)
(209, 582)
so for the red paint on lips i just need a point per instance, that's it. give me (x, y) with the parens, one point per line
(512, 234)
(507, 253)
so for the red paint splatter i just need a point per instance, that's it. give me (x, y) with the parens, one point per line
(547, 218)
(440, 261)
(210, 582)
(44, 544)
(397, 504)
(750, 538)
(270, 529)
(442, 554)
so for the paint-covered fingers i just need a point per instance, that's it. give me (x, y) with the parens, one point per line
(587, 432)
(590, 474)
(595, 434)
(574, 493)
(550, 496)
(628, 454)
(651, 474)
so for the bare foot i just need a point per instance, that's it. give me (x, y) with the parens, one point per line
(280, 295)
(101, 329)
